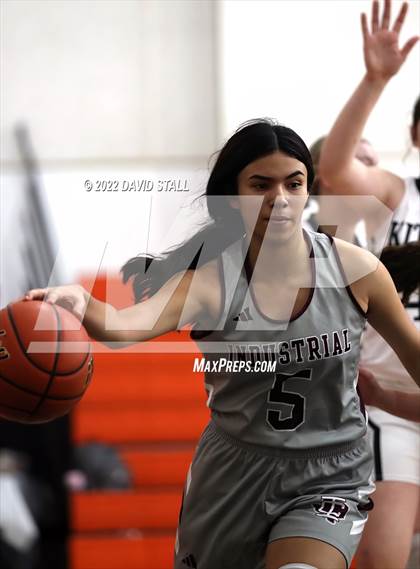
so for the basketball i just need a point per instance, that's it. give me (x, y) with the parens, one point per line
(45, 361)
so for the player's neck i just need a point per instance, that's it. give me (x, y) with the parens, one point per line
(279, 260)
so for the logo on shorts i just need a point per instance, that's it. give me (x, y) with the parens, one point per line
(331, 508)
(190, 561)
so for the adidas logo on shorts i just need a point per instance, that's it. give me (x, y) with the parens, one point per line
(190, 561)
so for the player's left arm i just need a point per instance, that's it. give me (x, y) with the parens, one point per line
(387, 315)
(403, 404)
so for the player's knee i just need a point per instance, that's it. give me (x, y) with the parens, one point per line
(297, 566)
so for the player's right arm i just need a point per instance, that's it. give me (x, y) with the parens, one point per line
(182, 299)
(339, 170)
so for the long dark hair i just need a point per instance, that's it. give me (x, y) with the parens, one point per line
(252, 140)
(403, 263)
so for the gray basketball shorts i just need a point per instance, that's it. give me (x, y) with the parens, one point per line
(239, 497)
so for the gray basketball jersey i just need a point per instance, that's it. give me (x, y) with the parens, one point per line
(305, 396)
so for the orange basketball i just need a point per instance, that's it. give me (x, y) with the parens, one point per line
(45, 361)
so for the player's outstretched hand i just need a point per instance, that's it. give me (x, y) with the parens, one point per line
(383, 57)
(72, 297)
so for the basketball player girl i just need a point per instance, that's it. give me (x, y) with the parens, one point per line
(387, 538)
(282, 473)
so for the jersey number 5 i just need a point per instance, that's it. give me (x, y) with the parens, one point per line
(278, 394)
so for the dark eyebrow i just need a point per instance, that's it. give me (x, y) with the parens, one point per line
(259, 177)
(292, 175)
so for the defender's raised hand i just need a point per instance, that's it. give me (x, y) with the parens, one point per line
(383, 56)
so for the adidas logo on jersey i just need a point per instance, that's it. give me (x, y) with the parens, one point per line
(244, 316)
(190, 561)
